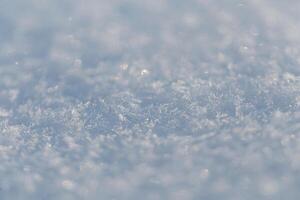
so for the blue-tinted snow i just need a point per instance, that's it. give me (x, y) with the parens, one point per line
(167, 99)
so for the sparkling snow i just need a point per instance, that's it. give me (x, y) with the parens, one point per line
(168, 99)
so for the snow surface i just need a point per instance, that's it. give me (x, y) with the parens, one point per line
(166, 99)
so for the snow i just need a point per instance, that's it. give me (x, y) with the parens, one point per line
(149, 100)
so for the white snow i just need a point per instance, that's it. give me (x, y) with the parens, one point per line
(148, 99)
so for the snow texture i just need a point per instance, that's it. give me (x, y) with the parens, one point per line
(165, 99)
